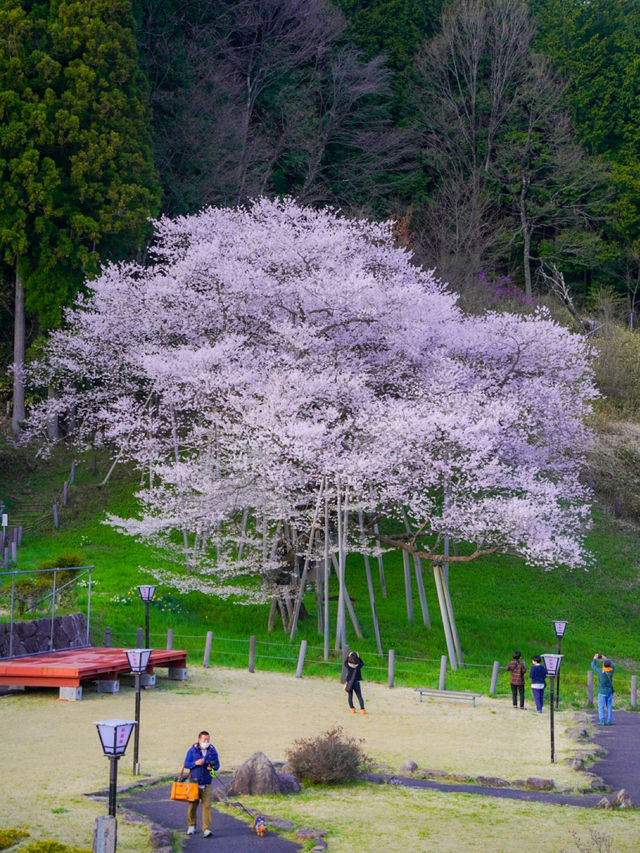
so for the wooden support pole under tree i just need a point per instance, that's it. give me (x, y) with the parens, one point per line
(319, 594)
(383, 583)
(372, 599)
(349, 604)
(407, 586)
(447, 598)
(55, 516)
(252, 653)
(207, 649)
(327, 570)
(65, 493)
(271, 622)
(494, 678)
(392, 666)
(590, 688)
(341, 633)
(417, 565)
(443, 672)
(301, 655)
(94, 464)
(307, 558)
(243, 530)
(72, 475)
(437, 576)
(343, 671)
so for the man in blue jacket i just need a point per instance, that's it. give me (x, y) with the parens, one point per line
(201, 760)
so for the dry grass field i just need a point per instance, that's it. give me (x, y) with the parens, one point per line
(51, 748)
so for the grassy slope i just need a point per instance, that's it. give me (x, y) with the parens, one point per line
(499, 603)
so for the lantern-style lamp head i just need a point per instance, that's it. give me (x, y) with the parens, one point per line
(138, 659)
(552, 663)
(560, 627)
(114, 736)
(146, 592)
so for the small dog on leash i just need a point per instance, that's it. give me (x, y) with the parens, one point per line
(259, 825)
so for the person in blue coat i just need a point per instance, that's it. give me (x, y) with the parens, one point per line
(538, 677)
(202, 760)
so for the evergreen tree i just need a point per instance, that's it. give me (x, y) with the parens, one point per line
(76, 162)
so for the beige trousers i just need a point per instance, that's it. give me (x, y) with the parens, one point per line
(204, 797)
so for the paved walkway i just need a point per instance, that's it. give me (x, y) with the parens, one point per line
(620, 767)
(229, 834)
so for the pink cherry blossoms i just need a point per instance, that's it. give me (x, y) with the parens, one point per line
(273, 360)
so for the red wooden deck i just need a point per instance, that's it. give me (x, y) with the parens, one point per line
(73, 666)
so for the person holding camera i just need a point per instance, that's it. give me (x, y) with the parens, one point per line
(202, 760)
(604, 669)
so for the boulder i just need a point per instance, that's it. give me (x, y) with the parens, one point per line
(576, 763)
(492, 781)
(258, 776)
(603, 804)
(408, 767)
(621, 800)
(535, 783)
(304, 833)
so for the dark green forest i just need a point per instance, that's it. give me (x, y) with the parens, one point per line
(503, 136)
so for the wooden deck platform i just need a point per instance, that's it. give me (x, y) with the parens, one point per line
(68, 669)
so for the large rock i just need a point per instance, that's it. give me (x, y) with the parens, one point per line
(409, 766)
(538, 784)
(258, 776)
(621, 800)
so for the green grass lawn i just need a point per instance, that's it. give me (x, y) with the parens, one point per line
(500, 604)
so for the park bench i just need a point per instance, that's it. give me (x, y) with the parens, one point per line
(447, 694)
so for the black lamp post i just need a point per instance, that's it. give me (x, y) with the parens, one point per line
(138, 660)
(560, 627)
(146, 594)
(552, 664)
(114, 737)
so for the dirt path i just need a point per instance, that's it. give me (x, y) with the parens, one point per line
(620, 767)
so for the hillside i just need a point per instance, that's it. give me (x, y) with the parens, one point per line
(499, 603)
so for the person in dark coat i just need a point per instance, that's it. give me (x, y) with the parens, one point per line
(538, 678)
(354, 676)
(518, 670)
(202, 760)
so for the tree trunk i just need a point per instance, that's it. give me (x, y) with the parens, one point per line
(18, 355)
(526, 238)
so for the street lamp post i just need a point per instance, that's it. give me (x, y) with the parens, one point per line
(114, 737)
(552, 664)
(138, 661)
(146, 594)
(560, 628)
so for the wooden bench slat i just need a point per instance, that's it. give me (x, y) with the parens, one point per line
(447, 694)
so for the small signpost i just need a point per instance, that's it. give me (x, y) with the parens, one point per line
(552, 664)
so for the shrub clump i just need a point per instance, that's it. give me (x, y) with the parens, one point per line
(8, 837)
(48, 846)
(329, 759)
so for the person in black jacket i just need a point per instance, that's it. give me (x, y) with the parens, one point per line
(202, 760)
(354, 677)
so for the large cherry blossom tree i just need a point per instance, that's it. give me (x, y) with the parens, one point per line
(291, 386)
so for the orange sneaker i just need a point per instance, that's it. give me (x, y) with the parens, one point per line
(353, 710)
(363, 711)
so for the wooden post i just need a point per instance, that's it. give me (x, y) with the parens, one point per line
(443, 672)
(301, 654)
(14, 553)
(307, 558)
(590, 688)
(372, 599)
(348, 602)
(65, 493)
(383, 584)
(327, 575)
(207, 649)
(634, 691)
(94, 464)
(55, 516)
(169, 639)
(392, 666)
(417, 565)
(345, 655)
(107, 637)
(6, 558)
(252, 653)
(494, 678)
(20, 536)
(437, 576)
(72, 475)
(140, 639)
(407, 586)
